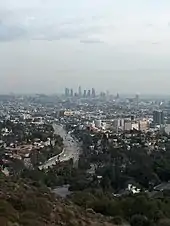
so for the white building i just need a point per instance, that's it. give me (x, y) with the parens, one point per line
(133, 189)
(167, 129)
(26, 116)
(104, 125)
(143, 125)
(118, 124)
(128, 125)
(135, 125)
(98, 123)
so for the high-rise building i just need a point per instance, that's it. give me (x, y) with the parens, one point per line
(158, 117)
(103, 95)
(89, 93)
(93, 93)
(117, 96)
(85, 93)
(137, 100)
(71, 93)
(79, 91)
(107, 93)
(67, 91)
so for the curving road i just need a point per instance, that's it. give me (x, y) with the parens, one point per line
(71, 148)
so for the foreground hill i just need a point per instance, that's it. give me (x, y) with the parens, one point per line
(23, 203)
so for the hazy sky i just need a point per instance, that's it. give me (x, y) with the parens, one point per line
(119, 45)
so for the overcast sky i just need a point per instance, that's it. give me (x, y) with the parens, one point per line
(115, 45)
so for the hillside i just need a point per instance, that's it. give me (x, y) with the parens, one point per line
(22, 203)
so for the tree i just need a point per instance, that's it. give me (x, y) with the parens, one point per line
(139, 220)
(117, 220)
(164, 222)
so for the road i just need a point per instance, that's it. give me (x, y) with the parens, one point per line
(71, 148)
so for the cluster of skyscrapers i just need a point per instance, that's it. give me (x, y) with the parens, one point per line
(85, 93)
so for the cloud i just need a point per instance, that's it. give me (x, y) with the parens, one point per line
(8, 33)
(91, 41)
(155, 43)
(34, 30)
(44, 21)
(149, 25)
(113, 22)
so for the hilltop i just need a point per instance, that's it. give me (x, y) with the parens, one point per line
(24, 203)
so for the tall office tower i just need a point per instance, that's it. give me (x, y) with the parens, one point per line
(158, 117)
(71, 93)
(85, 93)
(67, 92)
(117, 96)
(89, 93)
(102, 94)
(93, 93)
(137, 99)
(79, 91)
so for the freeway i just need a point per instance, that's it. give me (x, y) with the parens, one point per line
(71, 148)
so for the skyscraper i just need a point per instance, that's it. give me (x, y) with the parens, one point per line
(107, 93)
(71, 93)
(93, 93)
(117, 96)
(79, 91)
(67, 91)
(137, 100)
(158, 117)
(89, 93)
(85, 93)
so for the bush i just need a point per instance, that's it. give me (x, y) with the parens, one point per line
(139, 220)
(164, 222)
(117, 220)
(7, 211)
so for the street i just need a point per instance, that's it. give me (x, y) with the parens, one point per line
(71, 148)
